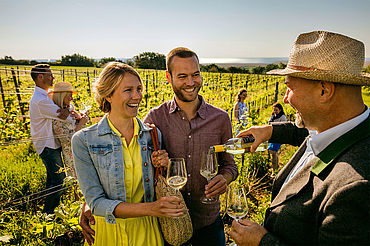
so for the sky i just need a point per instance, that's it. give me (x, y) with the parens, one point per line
(48, 29)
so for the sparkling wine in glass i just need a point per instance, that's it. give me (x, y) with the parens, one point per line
(208, 169)
(237, 206)
(176, 173)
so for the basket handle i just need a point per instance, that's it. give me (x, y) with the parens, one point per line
(158, 169)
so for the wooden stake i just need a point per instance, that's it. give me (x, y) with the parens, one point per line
(18, 95)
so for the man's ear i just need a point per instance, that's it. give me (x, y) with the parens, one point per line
(40, 76)
(168, 76)
(327, 91)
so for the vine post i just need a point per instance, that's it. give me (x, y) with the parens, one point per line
(88, 82)
(276, 91)
(2, 94)
(146, 91)
(18, 95)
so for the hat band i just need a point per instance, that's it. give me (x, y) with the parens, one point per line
(301, 68)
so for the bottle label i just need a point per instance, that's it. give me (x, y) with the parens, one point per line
(248, 139)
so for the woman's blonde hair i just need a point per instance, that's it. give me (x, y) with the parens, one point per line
(58, 98)
(108, 81)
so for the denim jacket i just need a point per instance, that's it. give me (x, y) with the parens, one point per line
(98, 156)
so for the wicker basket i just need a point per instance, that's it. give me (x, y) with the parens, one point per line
(176, 230)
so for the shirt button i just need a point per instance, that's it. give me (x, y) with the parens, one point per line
(188, 193)
(145, 164)
(144, 148)
(189, 156)
(189, 175)
(183, 118)
(147, 179)
(189, 136)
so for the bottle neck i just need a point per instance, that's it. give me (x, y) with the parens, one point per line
(219, 148)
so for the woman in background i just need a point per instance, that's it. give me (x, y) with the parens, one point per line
(276, 116)
(114, 167)
(241, 110)
(64, 129)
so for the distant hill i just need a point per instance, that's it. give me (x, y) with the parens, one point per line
(226, 65)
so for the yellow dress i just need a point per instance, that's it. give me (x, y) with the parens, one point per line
(140, 231)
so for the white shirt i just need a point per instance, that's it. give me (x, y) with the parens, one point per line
(42, 111)
(317, 142)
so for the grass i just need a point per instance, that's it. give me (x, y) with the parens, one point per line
(366, 95)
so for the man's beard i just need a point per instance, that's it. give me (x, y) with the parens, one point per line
(181, 97)
(299, 121)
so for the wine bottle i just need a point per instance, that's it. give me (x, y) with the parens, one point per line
(237, 146)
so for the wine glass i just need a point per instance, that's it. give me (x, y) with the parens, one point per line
(236, 203)
(208, 169)
(85, 107)
(236, 206)
(176, 173)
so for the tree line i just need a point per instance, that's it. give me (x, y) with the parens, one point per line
(145, 60)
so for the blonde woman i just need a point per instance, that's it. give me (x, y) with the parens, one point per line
(64, 129)
(114, 166)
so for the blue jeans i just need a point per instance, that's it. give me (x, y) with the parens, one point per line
(52, 160)
(212, 235)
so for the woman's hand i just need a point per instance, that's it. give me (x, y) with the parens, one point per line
(84, 119)
(164, 207)
(160, 158)
(169, 206)
(75, 115)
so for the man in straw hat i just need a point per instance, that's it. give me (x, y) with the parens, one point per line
(322, 195)
(42, 112)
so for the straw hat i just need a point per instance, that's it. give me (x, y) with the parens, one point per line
(63, 87)
(327, 56)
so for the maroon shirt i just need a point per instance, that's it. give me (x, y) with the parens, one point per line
(188, 139)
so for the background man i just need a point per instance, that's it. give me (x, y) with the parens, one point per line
(322, 195)
(42, 111)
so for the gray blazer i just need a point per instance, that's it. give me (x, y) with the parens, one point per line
(328, 201)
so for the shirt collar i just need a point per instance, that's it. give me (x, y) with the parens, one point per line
(173, 106)
(201, 110)
(42, 91)
(136, 128)
(319, 141)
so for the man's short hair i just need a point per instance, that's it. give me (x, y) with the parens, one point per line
(38, 69)
(180, 52)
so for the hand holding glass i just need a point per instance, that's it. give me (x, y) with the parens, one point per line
(208, 169)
